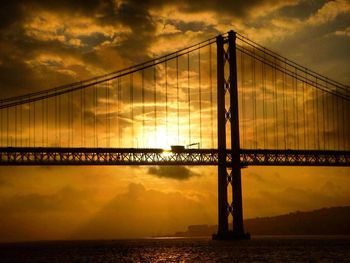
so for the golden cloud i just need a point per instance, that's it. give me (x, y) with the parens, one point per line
(329, 11)
(173, 13)
(48, 26)
(345, 32)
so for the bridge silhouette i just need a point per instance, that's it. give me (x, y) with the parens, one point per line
(226, 101)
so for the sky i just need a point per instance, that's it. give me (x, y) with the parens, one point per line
(44, 44)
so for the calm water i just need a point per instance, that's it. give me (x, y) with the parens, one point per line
(259, 249)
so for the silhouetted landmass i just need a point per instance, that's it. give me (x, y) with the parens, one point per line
(325, 221)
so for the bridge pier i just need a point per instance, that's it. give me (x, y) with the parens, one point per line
(228, 175)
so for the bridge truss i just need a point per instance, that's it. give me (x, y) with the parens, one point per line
(193, 157)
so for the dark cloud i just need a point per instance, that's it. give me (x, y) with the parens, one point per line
(141, 212)
(66, 199)
(238, 8)
(18, 49)
(15, 12)
(302, 10)
(173, 172)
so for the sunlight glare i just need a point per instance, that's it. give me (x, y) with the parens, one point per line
(160, 139)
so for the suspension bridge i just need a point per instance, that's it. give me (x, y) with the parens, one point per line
(238, 102)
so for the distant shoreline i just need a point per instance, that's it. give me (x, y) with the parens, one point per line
(333, 221)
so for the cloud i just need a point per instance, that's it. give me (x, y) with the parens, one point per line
(38, 216)
(345, 32)
(329, 11)
(142, 212)
(166, 29)
(288, 189)
(172, 172)
(66, 199)
(226, 7)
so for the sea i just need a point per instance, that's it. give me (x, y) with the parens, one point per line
(258, 249)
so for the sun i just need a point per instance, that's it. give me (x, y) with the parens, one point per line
(160, 139)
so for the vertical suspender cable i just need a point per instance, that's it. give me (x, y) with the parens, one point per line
(344, 121)
(189, 98)
(178, 100)
(81, 119)
(108, 82)
(155, 104)
(84, 129)
(42, 122)
(21, 125)
(71, 118)
(263, 78)
(211, 97)
(59, 120)
(1, 133)
(15, 140)
(68, 120)
(327, 124)
(29, 123)
(314, 109)
(200, 97)
(132, 108)
(317, 117)
(7, 126)
(335, 122)
(118, 110)
(166, 101)
(323, 120)
(243, 99)
(143, 106)
(284, 108)
(296, 107)
(34, 123)
(339, 119)
(285, 113)
(293, 110)
(286, 105)
(304, 115)
(55, 117)
(34, 117)
(47, 122)
(106, 113)
(276, 134)
(307, 104)
(255, 140)
(95, 116)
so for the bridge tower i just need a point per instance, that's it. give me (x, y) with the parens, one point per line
(229, 174)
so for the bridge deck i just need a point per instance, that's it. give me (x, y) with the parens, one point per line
(132, 156)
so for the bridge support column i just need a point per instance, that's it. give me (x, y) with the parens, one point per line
(228, 174)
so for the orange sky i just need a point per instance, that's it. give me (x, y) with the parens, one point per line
(49, 43)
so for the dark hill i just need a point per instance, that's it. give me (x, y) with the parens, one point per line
(325, 221)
